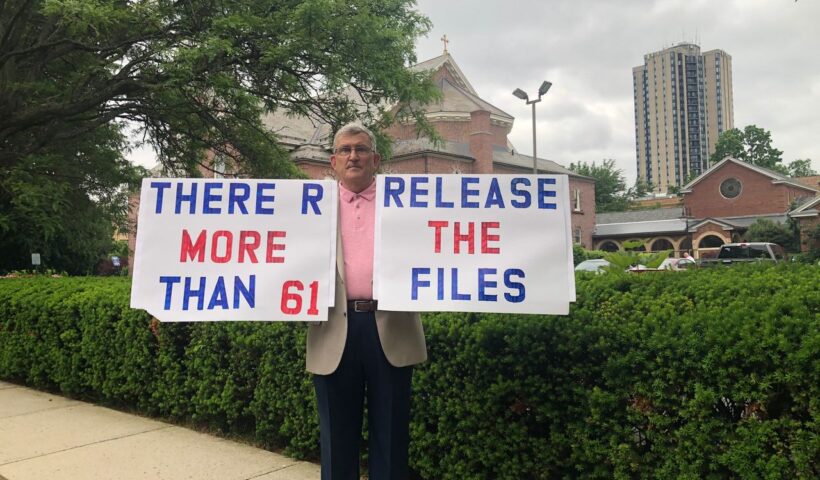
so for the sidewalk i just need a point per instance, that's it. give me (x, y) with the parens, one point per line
(44, 436)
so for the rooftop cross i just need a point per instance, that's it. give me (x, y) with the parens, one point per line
(444, 39)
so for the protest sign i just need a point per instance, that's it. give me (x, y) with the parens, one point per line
(475, 243)
(219, 249)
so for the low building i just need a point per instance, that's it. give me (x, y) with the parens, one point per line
(715, 208)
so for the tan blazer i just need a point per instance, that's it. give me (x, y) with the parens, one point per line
(400, 333)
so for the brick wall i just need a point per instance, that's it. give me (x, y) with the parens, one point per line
(807, 225)
(758, 196)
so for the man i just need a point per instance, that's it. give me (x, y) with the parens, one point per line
(361, 351)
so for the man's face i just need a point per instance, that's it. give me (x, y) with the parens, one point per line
(354, 161)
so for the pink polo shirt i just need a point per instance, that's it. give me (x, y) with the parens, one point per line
(357, 216)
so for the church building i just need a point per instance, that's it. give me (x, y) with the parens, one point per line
(474, 137)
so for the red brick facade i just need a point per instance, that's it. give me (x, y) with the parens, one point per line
(716, 208)
(760, 194)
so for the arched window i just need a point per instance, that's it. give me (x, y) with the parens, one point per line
(661, 244)
(609, 246)
(638, 248)
(710, 241)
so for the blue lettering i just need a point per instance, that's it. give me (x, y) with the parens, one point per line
(393, 187)
(237, 198)
(440, 272)
(509, 283)
(247, 292)
(439, 202)
(527, 199)
(261, 198)
(466, 192)
(454, 278)
(160, 186)
(311, 194)
(543, 193)
(169, 286)
(417, 282)
(212, 197)
(494, 195)
(181, 197)
(219, 295)
(484, 283)
(416, 190)
(199, 293)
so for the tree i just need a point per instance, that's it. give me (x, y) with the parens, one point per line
(611, 193)
(801, 168)
(752, 145)
(192, 76)
(764, 230)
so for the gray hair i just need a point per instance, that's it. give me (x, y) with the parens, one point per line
(354, 128)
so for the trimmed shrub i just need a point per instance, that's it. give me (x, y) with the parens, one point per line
(710, 373)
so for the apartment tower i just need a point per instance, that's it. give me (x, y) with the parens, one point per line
(683, 102)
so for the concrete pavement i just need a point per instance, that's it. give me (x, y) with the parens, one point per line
(44, 436)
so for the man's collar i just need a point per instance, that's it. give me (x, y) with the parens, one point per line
(368, 193)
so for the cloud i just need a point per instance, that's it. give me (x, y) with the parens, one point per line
(587, 49)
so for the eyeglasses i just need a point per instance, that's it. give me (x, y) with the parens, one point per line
(360, 150)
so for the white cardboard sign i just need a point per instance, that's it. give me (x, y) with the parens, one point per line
(475, 243)
(221, 249)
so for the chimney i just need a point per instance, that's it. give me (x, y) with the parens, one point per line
(481, 141)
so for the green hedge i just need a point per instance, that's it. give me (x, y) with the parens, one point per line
(698, 374)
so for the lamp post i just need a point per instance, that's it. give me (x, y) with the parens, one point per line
(542, 90)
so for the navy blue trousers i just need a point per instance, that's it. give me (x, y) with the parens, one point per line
(364, 372)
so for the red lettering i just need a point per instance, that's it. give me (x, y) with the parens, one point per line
(272, 246)
(458, 237)
(190, 250)
(486, 237)
(438, 225)
(228, 236)
(249, 247)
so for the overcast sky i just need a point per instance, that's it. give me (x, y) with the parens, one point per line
(587, 50)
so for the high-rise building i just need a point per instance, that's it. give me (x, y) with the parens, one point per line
(683, 102)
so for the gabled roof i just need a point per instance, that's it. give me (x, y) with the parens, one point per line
(808, 209)
(447, 62)
(734, 223)
(722, 224)
(456, 99)
(776, 177)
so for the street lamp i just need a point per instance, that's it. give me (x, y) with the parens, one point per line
(542, 90)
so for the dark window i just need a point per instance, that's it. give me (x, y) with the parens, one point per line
(730, 188)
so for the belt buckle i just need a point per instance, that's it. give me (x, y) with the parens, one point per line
(356, 304)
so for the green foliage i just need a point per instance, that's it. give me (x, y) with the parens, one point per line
(192, 77)
(64, 203)
(814, 244)
(801, 168)
(611, 192)
(700, 374)
(765, 230)
(199, 75)
(753, 145)
(632, 255)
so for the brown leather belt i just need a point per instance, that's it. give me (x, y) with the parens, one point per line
(362, 305)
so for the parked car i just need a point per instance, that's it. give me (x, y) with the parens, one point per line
(745, 252)
(672, 263)
(592, 265)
